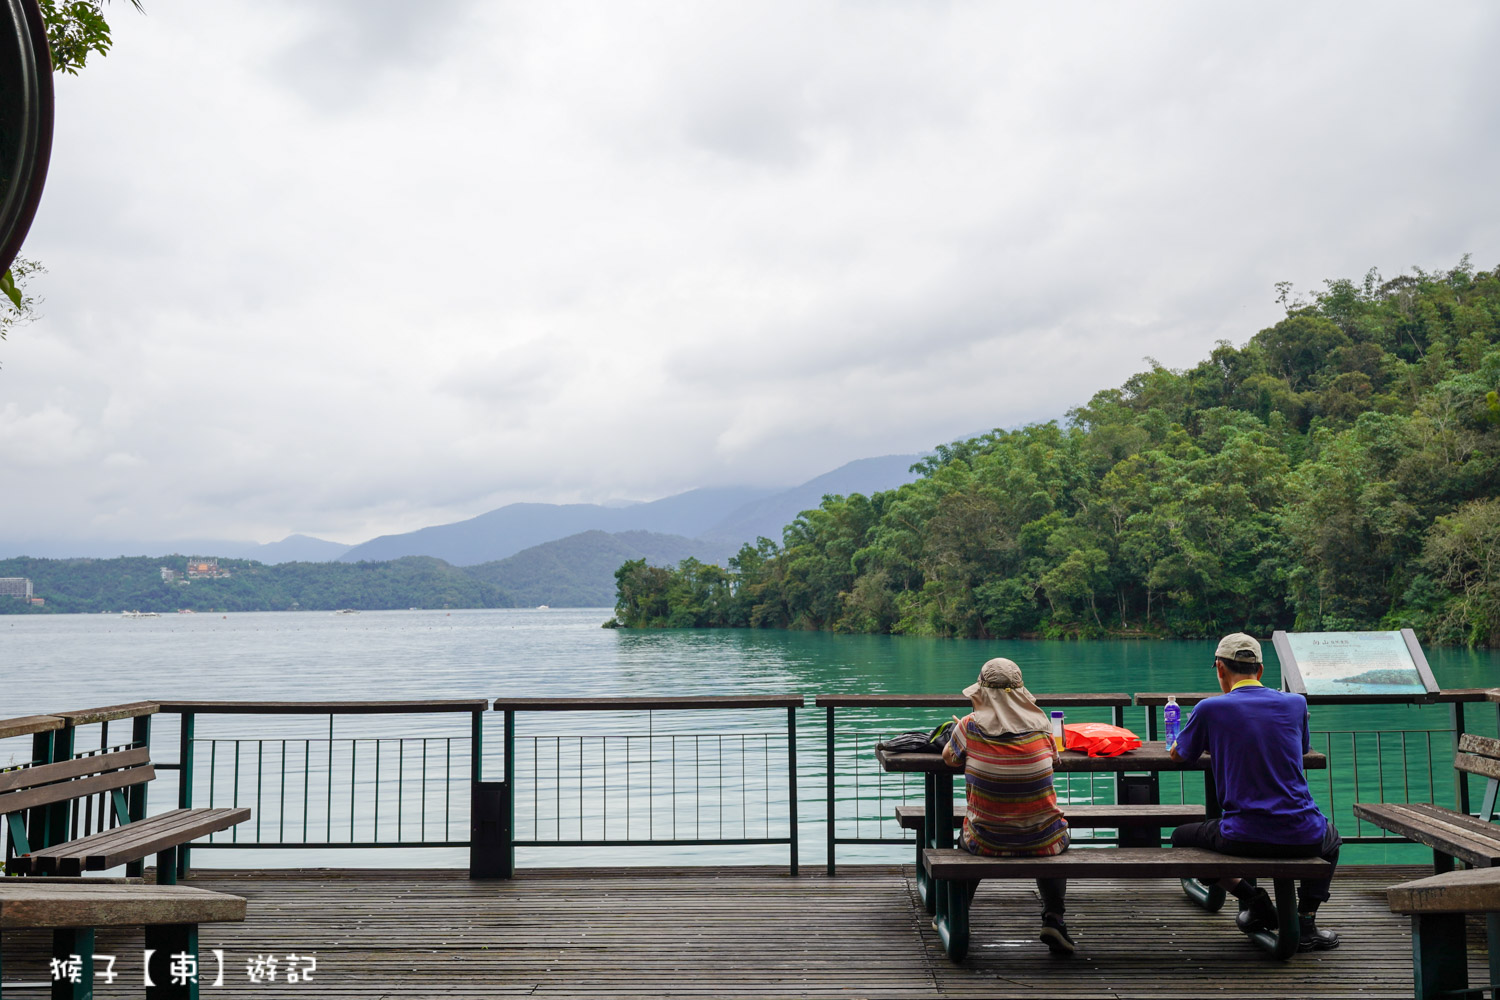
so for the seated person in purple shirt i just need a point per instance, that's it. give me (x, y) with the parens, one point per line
(1255, 738)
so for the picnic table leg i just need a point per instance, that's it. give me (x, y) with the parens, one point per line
(1210, 897)
(1441, 863)
(953, 918)
(166, 942)
(925, 839)
(1283, 944)
(67, 942)
(1439, 959)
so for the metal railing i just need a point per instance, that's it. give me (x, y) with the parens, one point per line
(1368, 765)
(608, 782)
(327, 790)
(652, 788)
(860, 795)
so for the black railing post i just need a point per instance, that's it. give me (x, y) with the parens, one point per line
(831, 816)
(36, 819)
(56, 823)
(185, 783)
(1460, 779)
(508, 805)
(791, 779)
(140, 735)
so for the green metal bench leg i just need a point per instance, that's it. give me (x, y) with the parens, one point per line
(166, 866)
(1492, 935)
(1283, 944)
(1439, 958)
(1210, 897)
(164, 941)
(67, 942)
(953, 918)
(925, 839)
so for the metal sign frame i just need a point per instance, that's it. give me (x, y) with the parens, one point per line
(1293, 681)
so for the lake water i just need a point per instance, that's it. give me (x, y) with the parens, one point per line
(61, 662)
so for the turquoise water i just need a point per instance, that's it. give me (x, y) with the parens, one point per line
(53, 663)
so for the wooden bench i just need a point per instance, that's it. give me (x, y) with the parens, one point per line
(914, 817)
(131, 841)
(1450, 834)
(72, 911)
(950, 866)
(1439, 950)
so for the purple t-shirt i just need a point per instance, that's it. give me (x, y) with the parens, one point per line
(1255, 738)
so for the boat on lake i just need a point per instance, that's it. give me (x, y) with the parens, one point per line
(139, 614)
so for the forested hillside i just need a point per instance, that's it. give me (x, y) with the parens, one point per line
(578, 571)
(1338, 471)
(135, 584)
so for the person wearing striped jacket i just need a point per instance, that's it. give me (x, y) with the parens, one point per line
(1007, 754)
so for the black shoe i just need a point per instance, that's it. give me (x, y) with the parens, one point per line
(1258, 915)
(1314, 939)
(1055, 935)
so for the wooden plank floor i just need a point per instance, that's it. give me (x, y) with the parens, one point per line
(752, 932)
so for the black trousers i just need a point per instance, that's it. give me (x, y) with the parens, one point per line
(1310, 893)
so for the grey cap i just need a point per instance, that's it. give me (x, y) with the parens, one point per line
(1238, 646)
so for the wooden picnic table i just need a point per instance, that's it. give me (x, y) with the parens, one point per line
(1149, 759)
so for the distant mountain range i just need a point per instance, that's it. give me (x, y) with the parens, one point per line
(727, 517)
(556, 554)
(579, 571)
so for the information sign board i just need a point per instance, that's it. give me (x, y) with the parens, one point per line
(1358, 664)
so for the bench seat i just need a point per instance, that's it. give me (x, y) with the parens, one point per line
(911, 817)
(159, 834)
(950, 865)
(1450, 834)
(170, 914)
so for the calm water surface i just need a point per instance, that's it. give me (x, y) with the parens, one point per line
(60, 662)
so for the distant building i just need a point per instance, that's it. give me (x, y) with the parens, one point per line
(18, 587)
(38, 601)
(205, 569)
(168, 575)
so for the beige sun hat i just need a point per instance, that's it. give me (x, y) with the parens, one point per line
(1001, 702)
(1238, 647)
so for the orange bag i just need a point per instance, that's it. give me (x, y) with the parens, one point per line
(1099, 739)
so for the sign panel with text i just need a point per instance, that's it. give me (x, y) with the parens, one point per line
(1357, 664)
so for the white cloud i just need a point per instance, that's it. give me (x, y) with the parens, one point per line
(357, 267)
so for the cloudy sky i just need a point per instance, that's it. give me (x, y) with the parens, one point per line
(347, 267)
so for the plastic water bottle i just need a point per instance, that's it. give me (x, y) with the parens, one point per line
(1057, 731)
(1172, 714)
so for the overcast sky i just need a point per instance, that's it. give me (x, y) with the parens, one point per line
(346, 267)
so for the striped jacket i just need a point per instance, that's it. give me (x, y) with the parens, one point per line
(1012, 806)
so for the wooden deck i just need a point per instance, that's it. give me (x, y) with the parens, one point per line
(752, 932)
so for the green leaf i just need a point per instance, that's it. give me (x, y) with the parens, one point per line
(8, 286)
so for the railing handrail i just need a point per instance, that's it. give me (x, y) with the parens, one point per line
(1449, 697)
(109, 713)
(26, 725)
(958, 700)
(323, 707)
(649, 703)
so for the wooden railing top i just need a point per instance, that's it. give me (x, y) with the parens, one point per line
(323, 707)
(1155, 698)
(648, 703)
(959, 701)
(28, 724)
(108, 713)
(1442, 697)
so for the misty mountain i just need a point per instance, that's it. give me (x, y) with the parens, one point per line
(507, 530)
(768, 515)
(114, 548)
(292, 548)
(579, 571)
